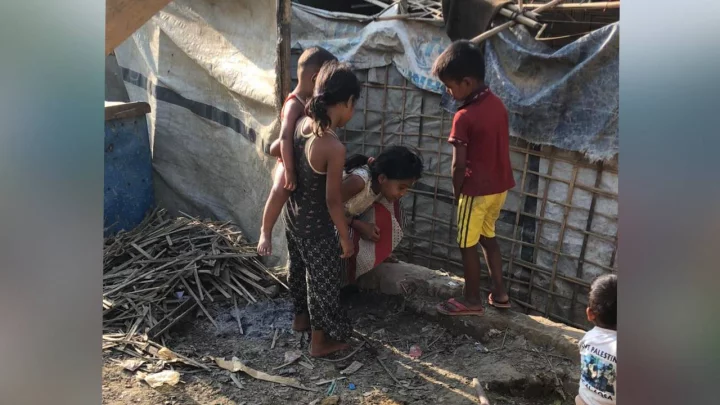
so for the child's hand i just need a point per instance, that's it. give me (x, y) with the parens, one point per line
(347, 247)
(367, 230)
(290, 181)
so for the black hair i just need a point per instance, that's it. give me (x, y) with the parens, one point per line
(460, 60)
(315, 57)
(602, 300)
(395, 162)
(336, 83)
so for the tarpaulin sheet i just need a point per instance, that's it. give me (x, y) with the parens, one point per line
(207, 68)
(566, 98)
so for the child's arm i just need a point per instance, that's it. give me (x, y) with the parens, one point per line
(333, 195)
(459, 162)
(459, 138)
(294, 111)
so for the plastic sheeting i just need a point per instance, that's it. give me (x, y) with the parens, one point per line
(207, 68)
(410, 45)
(566, 98)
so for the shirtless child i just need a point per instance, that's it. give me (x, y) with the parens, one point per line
(309, 65)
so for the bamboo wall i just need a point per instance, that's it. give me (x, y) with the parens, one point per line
(559, 196)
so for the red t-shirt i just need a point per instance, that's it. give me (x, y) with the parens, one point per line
(482, 124)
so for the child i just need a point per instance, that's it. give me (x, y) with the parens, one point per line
(309, 65)
(481, 172)
(314, 214)
(372, 189)
(598, 348)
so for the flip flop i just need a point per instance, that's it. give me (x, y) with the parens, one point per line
(452, 307)
(500, 305)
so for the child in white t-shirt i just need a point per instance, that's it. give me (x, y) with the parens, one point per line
(598, 348)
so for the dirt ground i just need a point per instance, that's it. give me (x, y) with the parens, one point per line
(505, 363)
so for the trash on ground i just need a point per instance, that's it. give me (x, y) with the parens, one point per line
(307, 365)
(355, 366)
(479, 347)
(415, 352)
(332, 400)
(132, 364)
(288, 371)
(351, 387)
(493, 333)
(329, 381)
(236, 365)
(169, 377)
(166, 354)
(290, 357)
(332, 387)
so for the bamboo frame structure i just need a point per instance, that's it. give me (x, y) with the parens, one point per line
(560, 196)
(598, 5)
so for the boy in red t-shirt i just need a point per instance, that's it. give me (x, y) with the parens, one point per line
(481, 172)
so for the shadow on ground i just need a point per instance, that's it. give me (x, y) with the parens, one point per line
(510, 368)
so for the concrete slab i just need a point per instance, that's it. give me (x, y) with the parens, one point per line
(406, 279)
(424, 288)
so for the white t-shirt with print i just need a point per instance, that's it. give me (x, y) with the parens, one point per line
(598, 365)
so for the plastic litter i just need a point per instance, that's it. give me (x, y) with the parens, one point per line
(415, 352)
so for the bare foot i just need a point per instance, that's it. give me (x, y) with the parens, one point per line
(327, 347)
(264, 247)
(301, 323)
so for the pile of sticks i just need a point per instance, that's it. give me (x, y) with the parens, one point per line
(166, 268)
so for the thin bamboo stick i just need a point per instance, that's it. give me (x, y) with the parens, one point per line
(378, 3)
(487, 34)
(517, 214)
(599, 5)
(561, 240)
(520, 18)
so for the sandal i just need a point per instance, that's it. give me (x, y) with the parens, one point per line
(500, 305)
(452, 307)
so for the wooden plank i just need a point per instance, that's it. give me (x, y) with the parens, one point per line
(124, 17)
(600, 5)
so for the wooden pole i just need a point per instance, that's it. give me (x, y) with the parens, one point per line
(526, 12)
(124, 17)
(487, 34)
(601, 5)
(520, 18)
(282, 70)
(378, 3)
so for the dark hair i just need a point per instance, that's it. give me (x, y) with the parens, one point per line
(395, 162)
(315, 57)
(336, 83)
(460, 60)
(602, 300)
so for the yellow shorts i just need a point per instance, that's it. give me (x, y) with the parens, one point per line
(476, 217)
